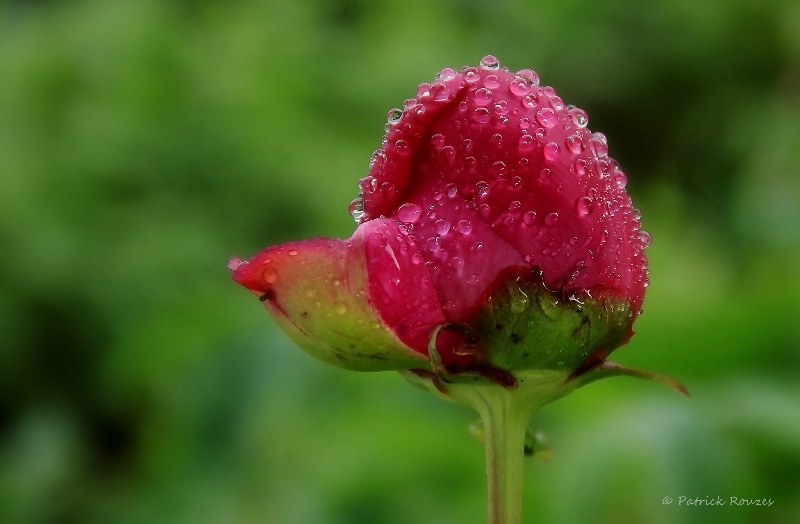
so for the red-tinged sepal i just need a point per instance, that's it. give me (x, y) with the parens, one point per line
(319, 293)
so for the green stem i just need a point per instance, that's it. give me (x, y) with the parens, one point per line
(505, 422)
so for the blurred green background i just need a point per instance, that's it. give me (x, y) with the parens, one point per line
(143, 143)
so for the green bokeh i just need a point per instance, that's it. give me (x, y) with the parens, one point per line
(143, 143)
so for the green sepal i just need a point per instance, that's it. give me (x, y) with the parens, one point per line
(318, 295)
(524, 325)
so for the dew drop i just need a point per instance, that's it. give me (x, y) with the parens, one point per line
(547, 117)
(423, 89)
(457, 263)
(357, 209)
(645, 238)
(446, 74)
(270, 275)
(490, 62)
(598, 147)
(464, 227)
(498, 169)
(551, 219)
(451, 190)
(437, 141)
(292, 253)
(519, 86)
(482, 97)
(473, 280)
(484, 209)
(551, 151)
(556, 103)
(621, 179)
(497, 140)
(544, 175)
(481, 115)
(524, 123)
(471, 75)
(409, 213)
(449, 154)
(529, 217)
(529, 75)
(393, 116)
(584, 206)
(579, 117)
(491, 82)
(574, 143)
(442, 226)
(433, 244)
(501, 107)
(402, 147)
(439, 92)
(526, 143)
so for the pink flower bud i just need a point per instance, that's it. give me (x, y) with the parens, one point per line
(490, 206)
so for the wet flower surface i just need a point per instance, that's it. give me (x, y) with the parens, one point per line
(486, 182)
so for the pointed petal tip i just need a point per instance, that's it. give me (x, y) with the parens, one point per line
(235, 262)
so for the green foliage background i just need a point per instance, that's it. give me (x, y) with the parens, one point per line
(143, 143)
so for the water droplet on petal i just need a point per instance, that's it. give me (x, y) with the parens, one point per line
(409, 213)
(481, 115)
(551, 219)
(464, 227)
(451, 190)
(437, 141)
(519, 86)
(423, 90)
(482, 97)
(439, 92)
(490, 62)
(529, 217)
(292, 253)
(442, 226)
(394, 115)
(598, 147)
(501, 107)
(402, 147)
(491, 82)
(645, 238)
(498, 169)
(574, 143)
(446, 74)
(529, 76)
(547, 117)
(449, 154)
(471, 75)
(357, 209)
(497, 140)
(544, 175)
(526, 143)
(584, 206)
(551, 151)
(579, 117)
(621, 179)
(270, 275)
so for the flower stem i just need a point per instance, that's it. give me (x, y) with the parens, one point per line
(505, 421)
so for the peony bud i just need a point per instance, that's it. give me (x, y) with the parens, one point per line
(495, 235)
